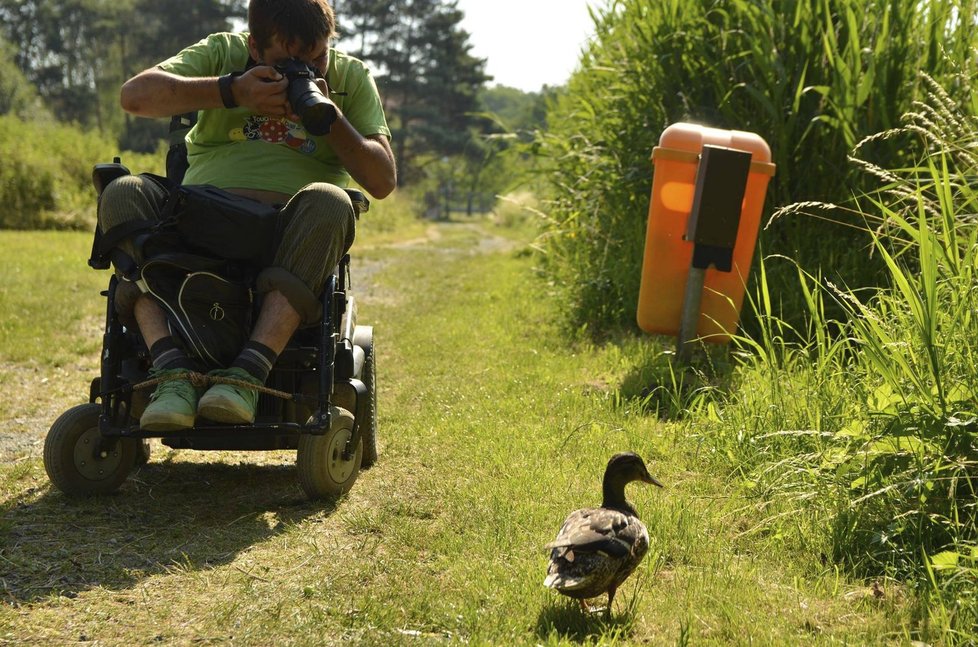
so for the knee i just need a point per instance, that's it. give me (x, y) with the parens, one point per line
(124, 199)
(302, 299)
(325, 201)
(326, 193)
(323, 210)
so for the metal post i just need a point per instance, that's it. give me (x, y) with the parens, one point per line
(690, 314)
(714, 219)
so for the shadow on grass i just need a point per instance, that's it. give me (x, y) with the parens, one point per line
(167, 516)
(568, 621)
(670, 389)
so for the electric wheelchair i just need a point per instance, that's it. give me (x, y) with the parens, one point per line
(320, 397)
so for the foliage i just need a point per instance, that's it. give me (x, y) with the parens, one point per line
(425, 71)
(17, 95)
(812, 77)
(79, 52)
(515, 110)
(45, 178)
(492, 163)
(869, 438)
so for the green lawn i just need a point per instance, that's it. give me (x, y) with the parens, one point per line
(492, 428)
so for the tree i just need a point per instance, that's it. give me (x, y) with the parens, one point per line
(78, 52)
(428, 78)
(362, 24)
(17, 95)
(48, 38)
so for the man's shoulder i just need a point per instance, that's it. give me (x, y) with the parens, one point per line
(216, 53)
(344, 61)
(227, 39)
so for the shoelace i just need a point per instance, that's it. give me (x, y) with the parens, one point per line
(173, 387)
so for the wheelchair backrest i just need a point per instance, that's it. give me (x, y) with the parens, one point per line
(176, 155)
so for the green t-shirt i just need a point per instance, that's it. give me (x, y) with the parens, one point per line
(237, 148)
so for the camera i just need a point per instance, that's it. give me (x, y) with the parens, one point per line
(316, 111)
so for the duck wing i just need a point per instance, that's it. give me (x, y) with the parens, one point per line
(594, 549)
(594, 530)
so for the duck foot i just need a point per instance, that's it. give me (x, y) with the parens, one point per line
(593, 610)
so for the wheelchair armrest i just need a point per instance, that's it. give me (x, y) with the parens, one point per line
(360, 202)
(102, 174)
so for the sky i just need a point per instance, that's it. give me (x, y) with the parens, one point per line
(528, 43)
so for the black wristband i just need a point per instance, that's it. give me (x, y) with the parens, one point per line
(224, 83)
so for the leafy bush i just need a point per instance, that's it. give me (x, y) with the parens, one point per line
(813, 77)
(45, 178)
(866, 442)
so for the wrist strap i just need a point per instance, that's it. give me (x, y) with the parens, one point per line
(224, 84)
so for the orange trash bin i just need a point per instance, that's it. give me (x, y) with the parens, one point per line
(668, 255)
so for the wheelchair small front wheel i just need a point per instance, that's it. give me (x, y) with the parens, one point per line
(324, 469)
(79, 461)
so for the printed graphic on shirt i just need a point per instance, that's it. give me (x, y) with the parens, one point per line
(275, 130)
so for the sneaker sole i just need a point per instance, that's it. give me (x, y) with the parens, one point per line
(169, 422)
(223, 410)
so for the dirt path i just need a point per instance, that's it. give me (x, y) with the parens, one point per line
(34, 395)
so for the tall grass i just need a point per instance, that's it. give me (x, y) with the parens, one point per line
(864, 443)
(812, 77)
(46, 174)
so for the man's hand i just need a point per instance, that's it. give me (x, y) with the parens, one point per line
(264, 90)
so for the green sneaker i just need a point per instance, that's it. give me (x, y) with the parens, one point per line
(230, 403)
(173, 404)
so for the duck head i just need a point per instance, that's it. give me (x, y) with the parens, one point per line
(622, 469)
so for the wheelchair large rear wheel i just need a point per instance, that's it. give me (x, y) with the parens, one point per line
(323, 470)
(368, 430)
(79, 461)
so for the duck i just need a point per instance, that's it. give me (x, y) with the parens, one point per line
(597, 549)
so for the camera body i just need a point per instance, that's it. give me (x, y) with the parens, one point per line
(315, 110)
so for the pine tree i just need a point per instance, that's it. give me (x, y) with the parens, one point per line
(427, 76)
(79, 52)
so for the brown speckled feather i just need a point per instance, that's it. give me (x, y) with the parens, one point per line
(595, 551)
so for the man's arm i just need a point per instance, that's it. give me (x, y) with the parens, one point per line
(369, 160)
(156, 93)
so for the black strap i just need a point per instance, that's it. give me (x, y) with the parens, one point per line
(105, 242)
(224, 84)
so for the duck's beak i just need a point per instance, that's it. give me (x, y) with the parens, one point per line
(651, 480)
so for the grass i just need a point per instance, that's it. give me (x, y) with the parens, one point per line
(45, 273)
(493, 427)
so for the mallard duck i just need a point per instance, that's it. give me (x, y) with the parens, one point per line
(598, 548)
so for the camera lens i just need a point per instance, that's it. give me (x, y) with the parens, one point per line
(308, 101)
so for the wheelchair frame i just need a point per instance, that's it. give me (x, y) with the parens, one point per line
(322, 366)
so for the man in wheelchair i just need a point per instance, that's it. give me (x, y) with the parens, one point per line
(284, 120)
